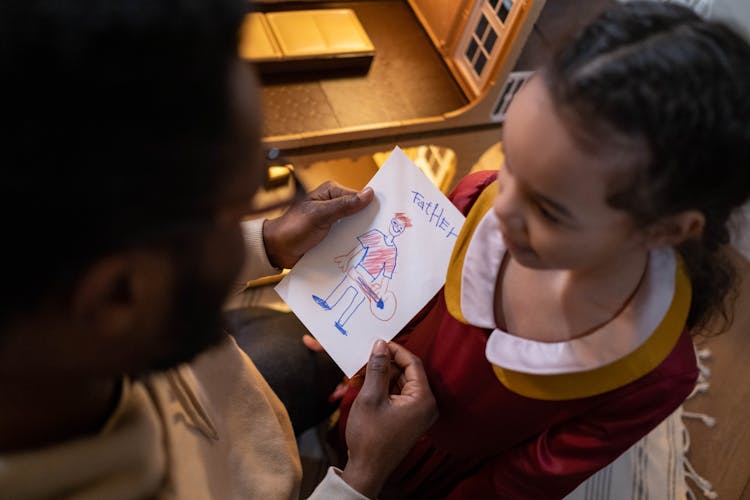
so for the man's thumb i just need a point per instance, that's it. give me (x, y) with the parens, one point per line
(344, 205)
(375, 387)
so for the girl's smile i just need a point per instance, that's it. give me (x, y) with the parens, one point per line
(552, 198)
(517, 249)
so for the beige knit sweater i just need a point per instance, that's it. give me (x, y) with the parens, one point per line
(213, 429)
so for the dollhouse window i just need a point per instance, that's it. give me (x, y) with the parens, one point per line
(480, 43)
(501, 8)
(515, 81)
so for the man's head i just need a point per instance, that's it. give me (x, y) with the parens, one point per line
(125, 125)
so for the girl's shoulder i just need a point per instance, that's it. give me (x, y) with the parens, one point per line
(470, 187)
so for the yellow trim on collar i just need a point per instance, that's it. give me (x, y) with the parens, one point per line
(617, 374)
(578, 384)
(455, 268)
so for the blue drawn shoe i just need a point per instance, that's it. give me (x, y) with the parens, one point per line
(322, 303)
(340, 328)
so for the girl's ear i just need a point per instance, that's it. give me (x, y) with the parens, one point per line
(674, 229)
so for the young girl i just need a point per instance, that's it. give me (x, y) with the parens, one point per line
(562, 335)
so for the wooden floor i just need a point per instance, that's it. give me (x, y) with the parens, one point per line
(722, 454)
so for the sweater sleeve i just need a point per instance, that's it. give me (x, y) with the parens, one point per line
(558, 460)
(256, 263)
(332, 487)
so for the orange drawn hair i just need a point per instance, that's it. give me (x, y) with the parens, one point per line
(403, 218)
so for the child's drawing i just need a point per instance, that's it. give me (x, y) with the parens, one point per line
(392, 256)
(368, 269)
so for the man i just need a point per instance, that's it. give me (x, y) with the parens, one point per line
(368, 269)
(130, 145)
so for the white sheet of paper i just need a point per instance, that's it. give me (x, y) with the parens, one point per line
(378, 268)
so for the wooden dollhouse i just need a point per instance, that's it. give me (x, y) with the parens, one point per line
(424, 66)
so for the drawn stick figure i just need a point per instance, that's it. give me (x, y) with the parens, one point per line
(368, 269)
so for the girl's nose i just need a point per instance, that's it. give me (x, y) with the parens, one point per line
(509, 205)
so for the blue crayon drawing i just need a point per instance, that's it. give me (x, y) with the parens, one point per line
(368, 269)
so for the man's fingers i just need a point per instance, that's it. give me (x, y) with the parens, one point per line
(375, 387)
(327, 211)
(330, 190)
(409, 363)
(413, 383)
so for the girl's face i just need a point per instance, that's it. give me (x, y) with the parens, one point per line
(551, 202)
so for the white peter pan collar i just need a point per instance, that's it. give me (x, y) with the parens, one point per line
(613, 341)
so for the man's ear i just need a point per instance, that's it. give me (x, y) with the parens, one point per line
(102, 299)
(674, 229)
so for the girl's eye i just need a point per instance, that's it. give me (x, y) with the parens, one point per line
(548, 215)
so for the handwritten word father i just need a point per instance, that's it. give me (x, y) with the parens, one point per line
(434, 213)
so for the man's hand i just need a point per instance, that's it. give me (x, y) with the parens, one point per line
(305, 224)
(383, 427)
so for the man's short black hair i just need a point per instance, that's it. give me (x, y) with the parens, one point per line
(115, 116)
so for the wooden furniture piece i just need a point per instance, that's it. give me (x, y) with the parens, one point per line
(305, 40)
